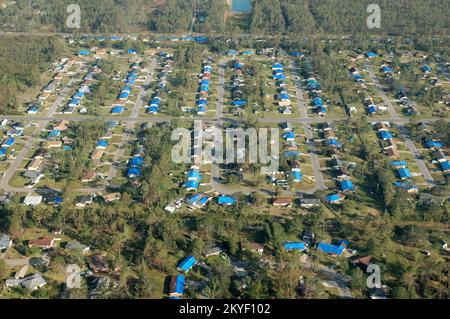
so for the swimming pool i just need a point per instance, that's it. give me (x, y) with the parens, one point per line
(241, 6)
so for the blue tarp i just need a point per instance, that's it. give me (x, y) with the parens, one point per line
(117, 109)
(399, 163)
(445, 166)
(54, 133)
(179, 286)
(331, 249)
(346, 185)
(385, 135)
(239, 103)
(134, 172)
(294, 246)
(434, 144)
(289, 135)
(102, 143)
(404, 173)
(298, 177)
(191, 185)
(227, 200)
(187, 264)
(333, 198)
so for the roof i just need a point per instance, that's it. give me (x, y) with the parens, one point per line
(187, 264)
(434, 144)
(226, 200)
(294, 246)
(282, 201)
(404, 173)
(177, 285)
(445, 166)
(346, 185)
(385, 135)
(331, 249)
(134, 172)
(335, 198)
(399, 163)
(191, 184)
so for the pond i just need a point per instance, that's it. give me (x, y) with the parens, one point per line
(241, 6)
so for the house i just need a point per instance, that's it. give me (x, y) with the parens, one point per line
(445, 166)
(428, 199)
(176, 286)
(36, 164)
(439, 155)
(32, 282)
(97, 155)
(53, 144)
(44, 242)
(385, 135)
(213, 251)
(5, 243)
(8, 142)
(33, 175)
(187, 264)
(61, 126)
(362, 262)
(98, 263)
(32, 200)
(88, 176)
(290, 246)
(112, 197)
(226, 200)
(309, 203)
(282, 202)
(404, 173)
(346, 186)
(77, 247)
(253, 247)
(102, 145)
(330, 249)
(392, 152)
(432, 144)
(335, 198)
(399, 164)
(408, 187)
(83, 201)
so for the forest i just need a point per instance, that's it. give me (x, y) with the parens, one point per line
(23, 60)
(305, 17)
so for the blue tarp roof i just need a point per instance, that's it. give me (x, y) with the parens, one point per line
(124, 95)
(9, 142)
(346, 185)
(194, 174)
(426, 68)
(372, 109)
(239, 103)
(179, 286)
(226, 200)
(333, 142)
(317, 101)
(292, 153)
(202, 102)
(187, 264)
(294, 246)
(445, 166)
(298, 176)
(289, 135)
(102, 143)
(3, 151)
(153, 109)
(284, 96)
(296, 54)
(134, 172)
(371, 54)
(385, 135)
(191, 184)
(434, 144)
(54, 133)
(404, 173)
(333, 198)
(399, 163)
(137, 162)
(386, 69)
(117, 109)
(83, 52)
(74, 102)
(331, 249)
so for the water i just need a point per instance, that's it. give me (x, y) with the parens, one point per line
(241, 6)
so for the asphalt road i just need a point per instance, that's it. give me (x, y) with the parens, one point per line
(386, 100)
(415, 152)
